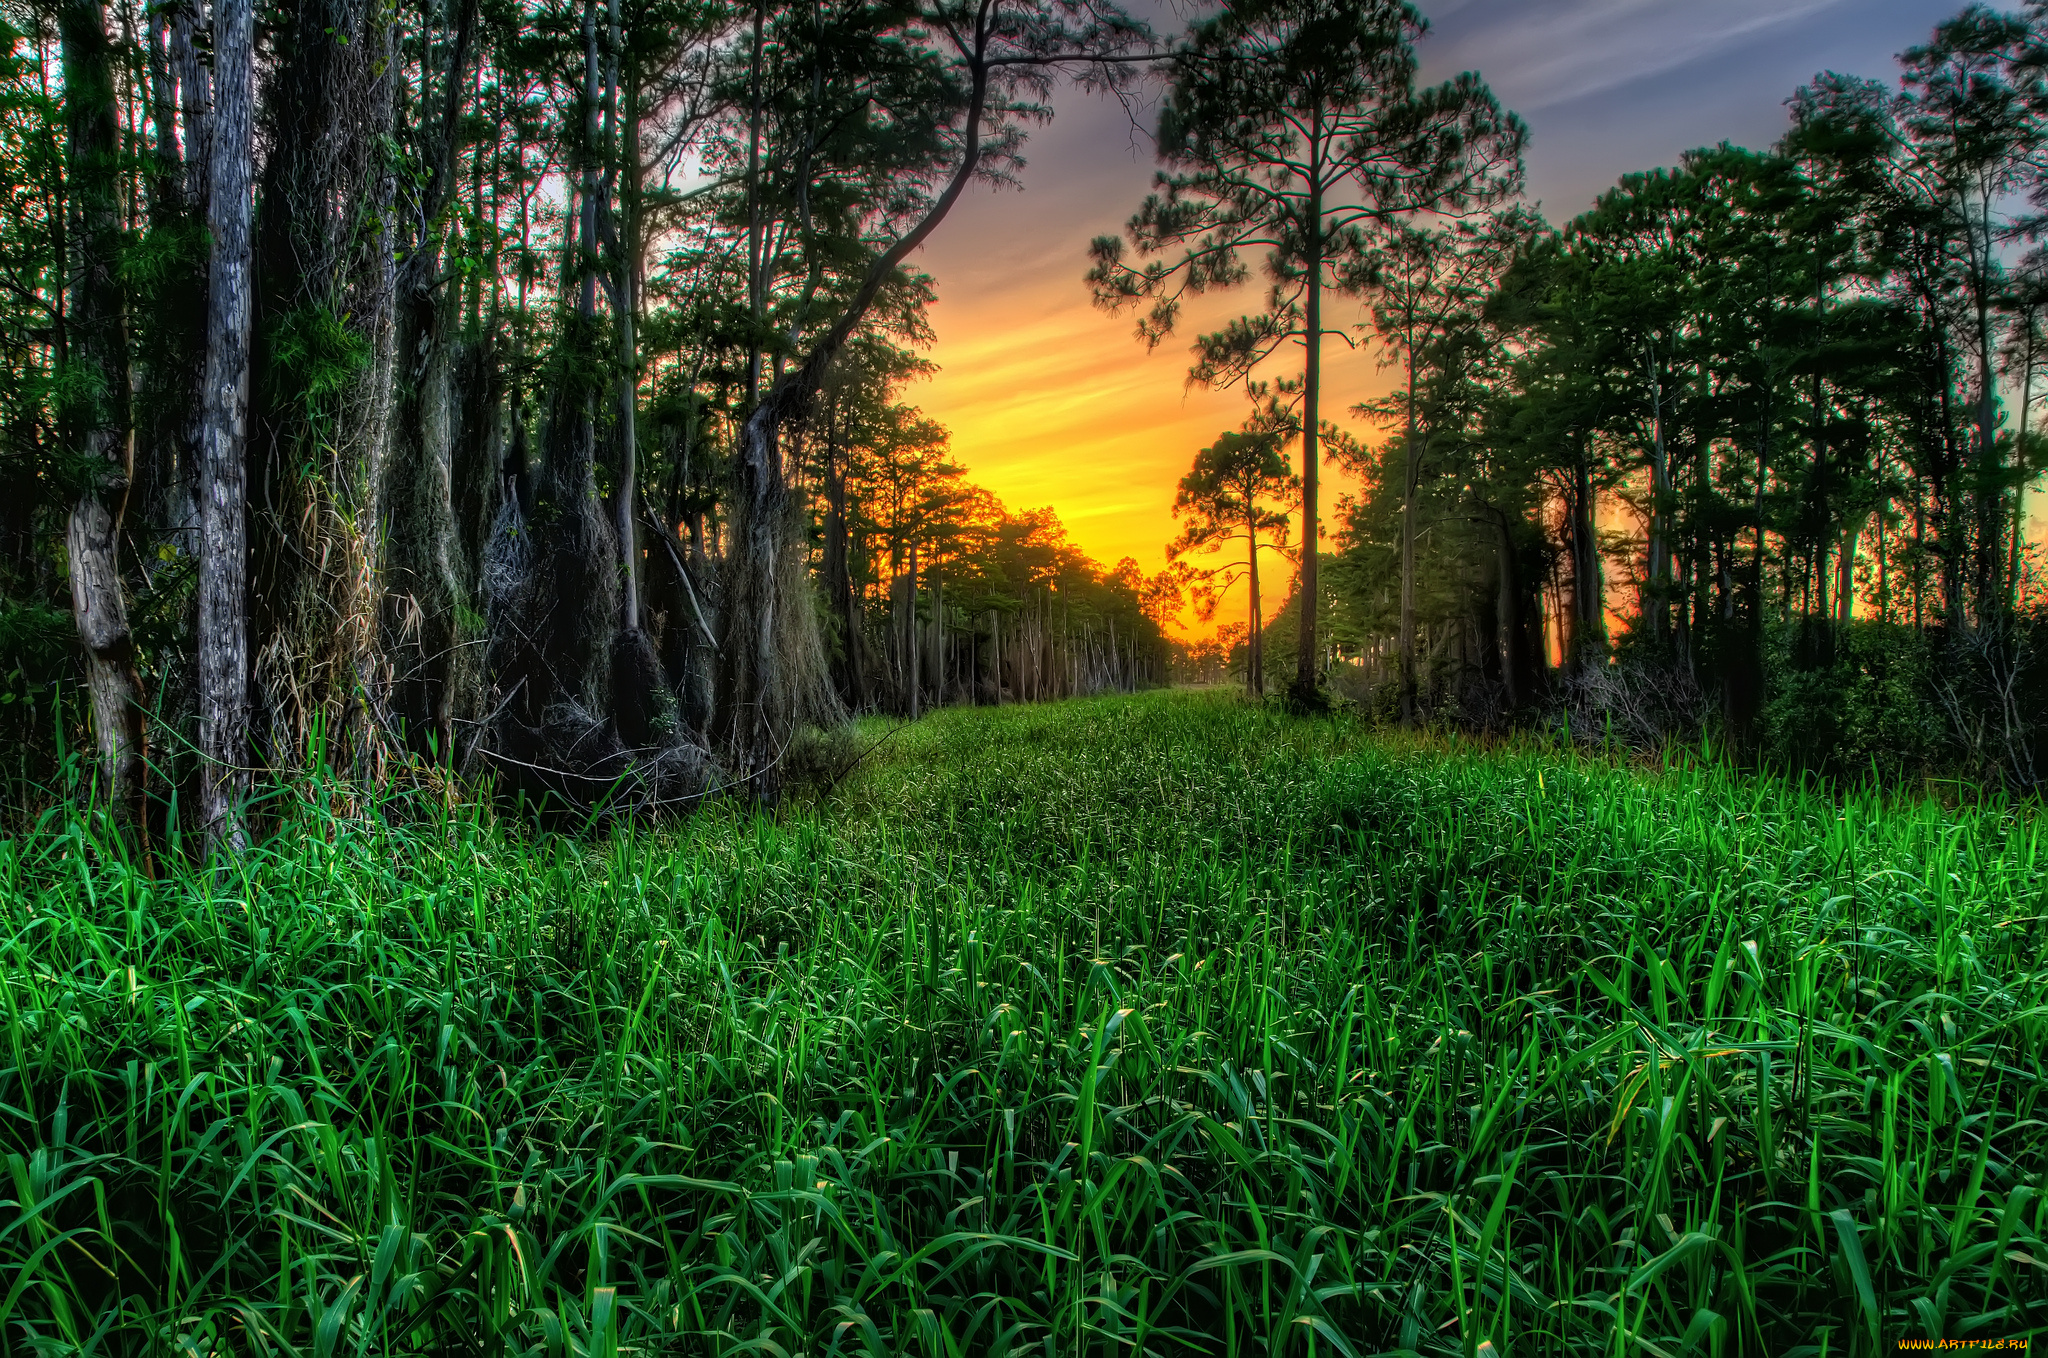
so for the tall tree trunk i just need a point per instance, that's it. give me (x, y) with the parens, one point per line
(1411, 461)
(756, 301)
(179, 510)
(98, 422)
(629, 362)
(2019, 491)
(169, 386)
(1656, 602)
(424, 600)
(912, 649)
(1990, 464)
(1590, 642)
(223, 594)
(1506, 611)
(839, 575)
(1845, 587)
(643, 705)
(939, 642)
(1307, 674)
(322, 367)
(167, 181)
(1947, 535)
(773, 676)
(195, 99)
(1255, 633)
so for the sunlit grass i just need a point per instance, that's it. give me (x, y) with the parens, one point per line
(1158, 1024)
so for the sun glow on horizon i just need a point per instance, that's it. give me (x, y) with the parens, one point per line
(1051, 402)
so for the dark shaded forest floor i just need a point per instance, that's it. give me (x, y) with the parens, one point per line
(1156, 1024)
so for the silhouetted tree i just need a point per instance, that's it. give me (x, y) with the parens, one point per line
(1291, 126)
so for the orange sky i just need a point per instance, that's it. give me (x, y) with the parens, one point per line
(1052, 402)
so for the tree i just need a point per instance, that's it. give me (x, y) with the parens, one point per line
(223, 645)
(1973, 135)
(1239, 490)
(1428, 287)
(96, 417)
(322, 367)
(1290, 127)
(992, 57)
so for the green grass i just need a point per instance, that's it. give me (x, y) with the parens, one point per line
(1141, 1025)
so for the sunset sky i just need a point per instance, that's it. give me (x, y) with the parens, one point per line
(1052, 402)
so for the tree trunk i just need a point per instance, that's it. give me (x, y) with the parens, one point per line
(424, 601)
(1845, 585)
(168, 385)
(939, 642)
(756, 303)
(99, 419)
(839, 573)
(223, 595)
(911, 648)
(1255, 632)
(2019, 493)
(1307, 678)
(195, 99)
(772, 673)
(176, 505)
(626, 154)
(321, 381)
(1990, 465)
(1505, 596)
(1590, 643)
(1411, 460)
(1656, 603)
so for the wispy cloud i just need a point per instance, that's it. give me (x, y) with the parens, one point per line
(1540, 55)
(1052, 402)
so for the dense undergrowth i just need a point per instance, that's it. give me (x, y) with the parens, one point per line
(1158, 1024)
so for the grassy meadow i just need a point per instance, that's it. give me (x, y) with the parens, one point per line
(1160, 1024)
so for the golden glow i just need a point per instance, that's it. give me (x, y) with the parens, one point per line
(1053, 402)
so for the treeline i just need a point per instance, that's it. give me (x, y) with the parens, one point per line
(505, 385)
(1745, 448)
(935, 593)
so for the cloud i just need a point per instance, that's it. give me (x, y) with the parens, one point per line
(1545, 54)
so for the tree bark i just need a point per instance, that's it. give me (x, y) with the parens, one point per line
(772, 675)
(1506, 596)
(839, 575)
(325, 284)
(425, 599)
(1589, 643)
(914, 652)
(2019, 492)
(756, 302)
(167, 183)
(1656, 602)
(98, 421)
(1411, 465)
(1255, 676)
(628, 149)
(195, 100)
(223, 596)
(1845, 585)
(1307, 675)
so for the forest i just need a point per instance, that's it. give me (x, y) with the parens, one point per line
(1744, 450)
(510, 390)
(547, 811)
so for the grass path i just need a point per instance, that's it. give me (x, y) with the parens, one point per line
(1156, 1024)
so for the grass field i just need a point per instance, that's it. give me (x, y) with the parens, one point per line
(1146, 1025)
